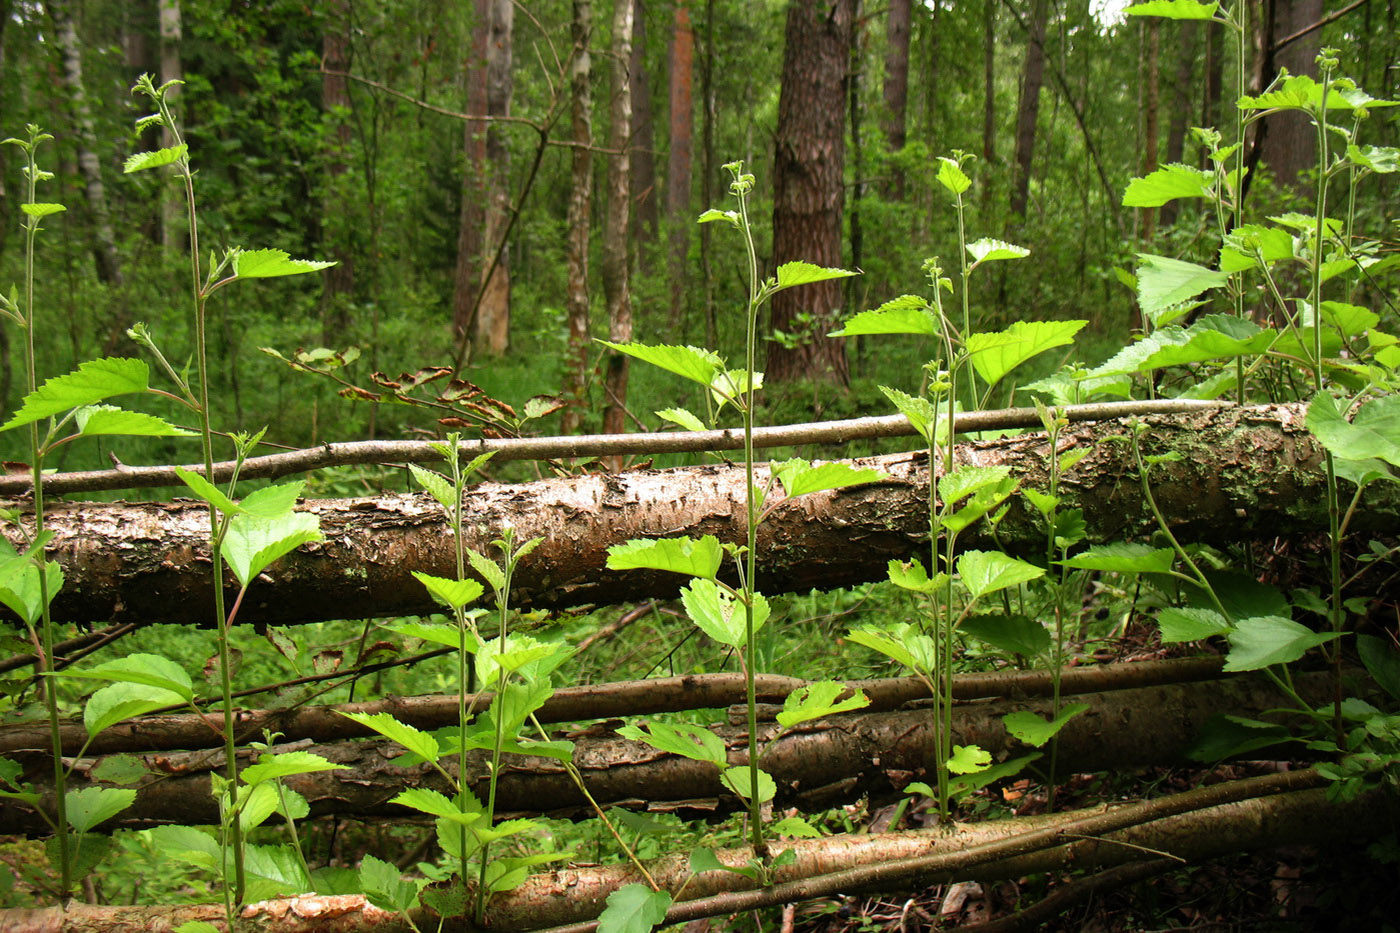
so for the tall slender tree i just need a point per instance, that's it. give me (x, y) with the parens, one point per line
(896, 90)
(808, 186)
(580, 214)
(678, 160)
(1028, 109)
(617, 286)
(172, 213)
(646, 211)
(339, 280)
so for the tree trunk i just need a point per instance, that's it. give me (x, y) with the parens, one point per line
(1028, 110)
(338, 283)
(821, 764)
(1244, 474)
(1181, 106)
(646, 215)
(1287, 141)
(989, 93)
(471, 217)
(104, 241)
(173, 224)
(617, 289)
(1152, 39)
(579, 217)
(492, 335)
(897, 86)
(808, 187)
(709, 166)
(678, 174)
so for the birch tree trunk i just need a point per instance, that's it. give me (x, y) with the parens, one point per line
(617, 290)
(580, 215)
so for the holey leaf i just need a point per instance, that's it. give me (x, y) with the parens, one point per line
(720, 615)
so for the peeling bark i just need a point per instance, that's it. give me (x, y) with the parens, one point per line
(1243, 474)
(818, 765)
(576, 704)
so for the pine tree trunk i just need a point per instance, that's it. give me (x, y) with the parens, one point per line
(339, 281)
(678, 167)
(897, 86)
(808, 188)
(646, 212)
(1028, 110)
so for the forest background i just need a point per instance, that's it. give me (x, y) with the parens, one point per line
(352, 131)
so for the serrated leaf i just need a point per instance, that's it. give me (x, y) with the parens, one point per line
(272, 501)
(189, 845)
(122, 701)
(253, 544)
(1185, 624)
(1163, 282)
(1303, 92)
(684, 739)
(140, 161)
(989, 249)
(951, 176)
(1214, 337)
(1258, 643)
(912, 575)
(120, 769)
(453, 594)
(712, 215)
(1015, 634)
(1374, 432)
(738, 778)
(1225, 736)
(1174, 9)
(1123, 557)
(819, 699)
(448, 635)
(1167, 184)
(968, 759)
(270, 767)
(433, 803)
(92, 382)
(986, 572)
(688, 362)
(796, 827)
(91, 806)
(908, 314)
(916, 410)
(152, 670)
(272, 263)
(416, 741)
(39, 210)
(996, 354)
(689, 556)
(1034, 730)
(207, 491)
(733, 384)
(902, 643)
(720, 615)
(385, 887)
(108, 419)
(1351, 320)
(1379, 159)
(791, 274)
(437, 485)
(800, 477)
(967, 479)
(21, 587)
(634, 908)
(681, 417)
(510, 872)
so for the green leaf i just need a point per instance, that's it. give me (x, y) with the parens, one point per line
(684, 739)
(737, 779)
(1015, 634)
(911, 575)
(918, 411)
(20, 587)
(800, 477)
(90, 806)
(1301, 92)
(689, 362)
(796, 827)
(988, 249)
(1240, 595)
(92, 382)
(1167, 184)
(902, 643)
(690, 556)
(967, 783)
(453, 594)
(1373, 433)
(1224, 736)
(969, 759)
(1351, 320)
(1214, 337)
(1382, 662)
(437, 804)
(720, 615)
(207, 491)
(791, 274)
(733, 384)
(1163, 282)
(140, 161)
(272, 501)
(1123, 557)
(151, 670)
(1033, 730)
(385, 887)
(819, 699)
(199, 926)
(437, 485)
(996, 354)
(986, 572)
(272, 767)
(509, 872)
(189, 845)
(1379, 159)
(272, 263)
(416, 741)
(1253, 245)
(967, 479)
(40, 211)
(681, 417)
(253, 544)
(487, 569)
(1181, 625)
(1257, 643)
(256, 805)
(120, 769)
(274, 871)
(122, 701)
(108, 419)
(1174, 9)
(712, 215)
(951, 176)
(448, 635)
(907, 314)
(634, 908)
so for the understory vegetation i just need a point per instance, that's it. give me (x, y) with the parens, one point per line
(482, 723)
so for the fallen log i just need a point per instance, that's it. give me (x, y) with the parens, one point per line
(575, 704)
(817, 765)
(1243, 473)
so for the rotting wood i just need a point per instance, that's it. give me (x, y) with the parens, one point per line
(817, 765)
(1243, 473)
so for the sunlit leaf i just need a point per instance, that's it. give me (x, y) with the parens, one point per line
(1167, 184)
(989, 249)
(271, 263)
(1123, 557)
(805, 273)
(985, 572)
(815, 700)
(907, 314)
(996, 354)
(720, 615)
(140, 161)
(689, 362)
(253, 544)
(108, 419)
(416, 741)
(689, 556)
(739, 780)
(92, 382)
(969, 759)
(1174, 9)
(285, 764)
(634, 908)
(453, 594)
(800, 477)
(678, 738)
